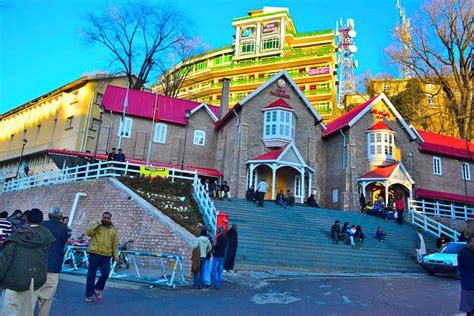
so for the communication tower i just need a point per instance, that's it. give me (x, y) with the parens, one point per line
(405, 33)
(346, 49)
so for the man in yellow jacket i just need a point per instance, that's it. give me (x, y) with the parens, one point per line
(102, 247)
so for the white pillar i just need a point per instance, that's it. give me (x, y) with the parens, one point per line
(237, 41)
(302, 185)
(273, 180)
(257, 38)
(309, 184)
(251, 175)
(386, 192)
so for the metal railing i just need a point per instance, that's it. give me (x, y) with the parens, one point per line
(206, 206)
(442, 210)
(432, 226)
(97, 170)
(76, 261)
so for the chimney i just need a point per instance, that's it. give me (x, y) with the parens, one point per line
(224, 97)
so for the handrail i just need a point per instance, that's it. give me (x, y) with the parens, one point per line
(101, 169)
(437, 209)
(432, 226)
(206, 205)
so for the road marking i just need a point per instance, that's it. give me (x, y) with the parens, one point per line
(346, 299)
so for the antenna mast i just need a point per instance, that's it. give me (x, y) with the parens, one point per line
(404, 30)
(346, 49)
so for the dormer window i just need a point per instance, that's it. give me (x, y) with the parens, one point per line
(278, 124)
(380, 144)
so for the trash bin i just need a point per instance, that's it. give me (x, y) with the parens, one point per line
(222, 220)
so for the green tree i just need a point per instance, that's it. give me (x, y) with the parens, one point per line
(408, 101)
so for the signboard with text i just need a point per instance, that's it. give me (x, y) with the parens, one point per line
(319, 71)
(154, 172)
(271, 27)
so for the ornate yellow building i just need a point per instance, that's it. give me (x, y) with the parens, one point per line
(266, 41)
(65, 118)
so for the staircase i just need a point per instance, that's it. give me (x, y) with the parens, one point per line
(298, 238)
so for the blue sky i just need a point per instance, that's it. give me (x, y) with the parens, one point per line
(40, 49)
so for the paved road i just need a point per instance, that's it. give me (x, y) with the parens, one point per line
(270, 294)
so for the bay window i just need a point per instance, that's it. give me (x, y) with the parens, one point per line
(380, 146)
(278, 127)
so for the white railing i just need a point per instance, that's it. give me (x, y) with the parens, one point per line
(432, 226)
(206, 206)
(97, 170)
(442, 210)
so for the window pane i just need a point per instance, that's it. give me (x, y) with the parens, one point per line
(274, 116)
(372, 150)
(287, 131)
(281, 129)
(379, 137)
(268, 116)
(267, 130)
(282, 116)
(379, 149)
(273, 129)
(288, 116)
(372, 138)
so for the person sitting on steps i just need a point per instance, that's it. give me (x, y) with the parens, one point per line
(290, 199)
(250, 194)
(311, 201)
(359, 237)
(280, 199)
(380, 234)
(225, 191)
(336, 232)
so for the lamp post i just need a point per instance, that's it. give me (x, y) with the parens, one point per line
(25, 141)
(187, 114)
(101, 109)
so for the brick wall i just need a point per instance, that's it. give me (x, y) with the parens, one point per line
(146, 227)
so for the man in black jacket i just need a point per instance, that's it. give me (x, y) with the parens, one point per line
(24, 265)
(466, 272)
(55, 259)
(232, 243)
(218, 255)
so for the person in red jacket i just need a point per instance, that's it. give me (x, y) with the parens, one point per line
(399, 206)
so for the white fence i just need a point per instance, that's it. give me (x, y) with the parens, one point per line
(432, 226)
(206, 206)
(104, 169)
(442, 210)
(97, 170)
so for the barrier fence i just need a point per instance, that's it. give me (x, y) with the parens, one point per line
(76, 261)
(442, 210)
(101, 169)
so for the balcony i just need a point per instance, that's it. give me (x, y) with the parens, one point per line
(317, 91)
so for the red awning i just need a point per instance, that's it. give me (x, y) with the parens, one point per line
(444, 196)
(200, 170)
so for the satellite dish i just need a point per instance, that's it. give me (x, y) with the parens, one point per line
(352, 33)
(356, 63)
(353, 49)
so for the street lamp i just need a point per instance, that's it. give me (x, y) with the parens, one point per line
(187, 114)
(101, 109)
(25, 141)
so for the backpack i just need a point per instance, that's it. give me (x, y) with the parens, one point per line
(196, 260)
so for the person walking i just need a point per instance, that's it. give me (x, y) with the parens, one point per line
(24, 265)
(218, 255)
(262, 188)
(466, 273)
(399, 206)
(205, 247)
(102, 247)
(231, 252)
(55, 260)
(419, 243)
(6, 228)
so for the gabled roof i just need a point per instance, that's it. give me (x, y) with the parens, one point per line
(446, 145)
(200, 170)
(380, 126)
(353, 116)
(142, 104)
(250, 96)
(382, 172)
(444, 196)
(271, 155)
(280, 103)
(387, 172)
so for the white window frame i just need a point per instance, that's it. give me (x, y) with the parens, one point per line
(335, 195)
(199, 135)
(297, 189)
(159, 136)
(466, 171)
(431, 101)
(98, 97)
(127, 130)
(437, 166)
(386, 87)
(278, 124)
(380, 145)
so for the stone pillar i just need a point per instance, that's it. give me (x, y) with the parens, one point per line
(274, 169)
(309, 184)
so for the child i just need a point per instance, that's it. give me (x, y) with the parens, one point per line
(380, 234)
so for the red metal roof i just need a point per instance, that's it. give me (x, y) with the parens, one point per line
(280, 103)
(142, 104)
(201, 171)
(383, 172)
(446, 145)
(380, 126)
(271, 155)
(444, 196)
(343, 120)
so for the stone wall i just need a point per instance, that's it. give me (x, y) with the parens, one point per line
(134, 218)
